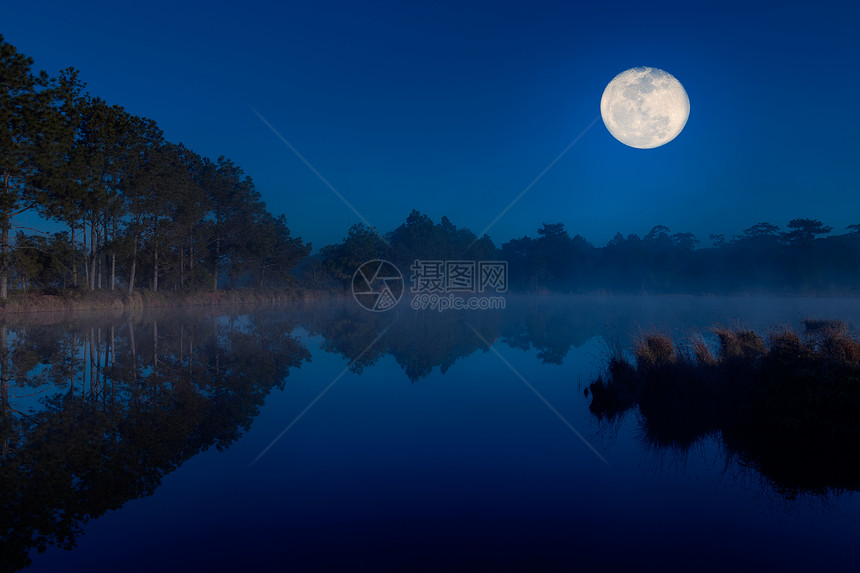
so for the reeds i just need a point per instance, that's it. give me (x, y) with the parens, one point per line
(654, 351)
(739, 344)
(701, 352)
(785, 406)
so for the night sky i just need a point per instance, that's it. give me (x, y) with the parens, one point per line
(454, 108)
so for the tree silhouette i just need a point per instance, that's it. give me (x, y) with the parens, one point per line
(140, 210)
(803, 231)
(22, 118)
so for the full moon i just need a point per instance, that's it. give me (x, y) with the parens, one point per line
(645, 107)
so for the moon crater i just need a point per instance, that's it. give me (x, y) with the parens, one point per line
(645, 107)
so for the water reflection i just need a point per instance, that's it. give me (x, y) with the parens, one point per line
(418, 340)
(676, 413)
(94, 412)
(423, 340)
(549, 326)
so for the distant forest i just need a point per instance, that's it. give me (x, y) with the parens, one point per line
(140, 212)
(802, 259)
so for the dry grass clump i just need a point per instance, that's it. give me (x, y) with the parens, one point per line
(787, 347)
(840, 349)
(740, 344)
(701, 352)
(654, 350)
(832, 341)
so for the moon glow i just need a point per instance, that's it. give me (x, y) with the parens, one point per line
(645, 107)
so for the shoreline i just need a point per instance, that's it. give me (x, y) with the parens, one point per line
(29, 304)
(35, 304)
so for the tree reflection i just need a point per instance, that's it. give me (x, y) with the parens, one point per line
(553, 326)
(418, 340)
(421, 340)
(96, 412)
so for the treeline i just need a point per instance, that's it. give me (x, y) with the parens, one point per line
(139, 211)
(804, 258)
(417, 238)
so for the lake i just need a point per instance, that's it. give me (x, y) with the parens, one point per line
(317, 437)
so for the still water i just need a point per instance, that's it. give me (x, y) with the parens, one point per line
(325, 437)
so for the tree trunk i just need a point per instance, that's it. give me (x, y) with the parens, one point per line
(112, 254)
(74, 259)
(133, 265)
(100, 255)
(155, 347)
(215, 267)
(5, 372)
(4, 264)
(92, 255)
(5, 223)
(155, 268)
(86, 257)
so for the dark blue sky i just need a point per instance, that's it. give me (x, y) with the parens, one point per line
(453, 108)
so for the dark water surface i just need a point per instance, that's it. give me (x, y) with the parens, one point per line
(157, 442)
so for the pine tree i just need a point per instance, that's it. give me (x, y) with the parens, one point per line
(20, 132)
